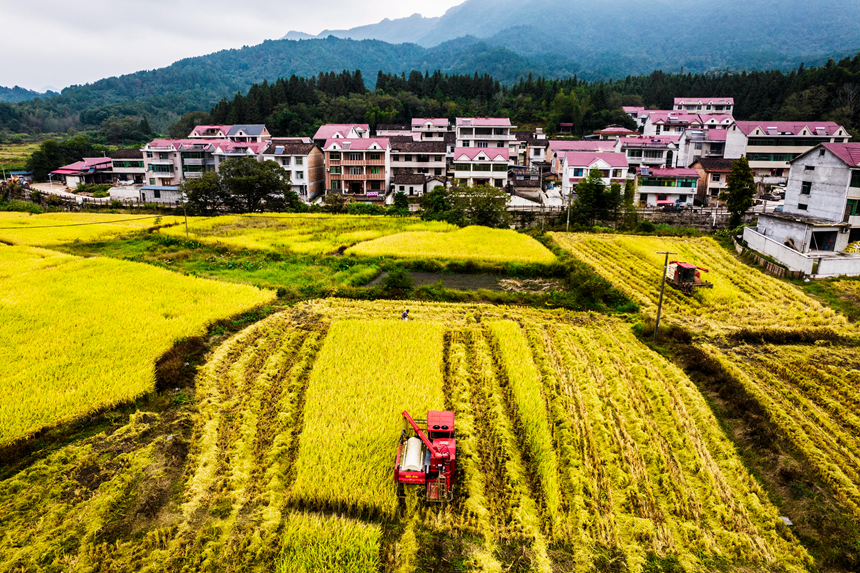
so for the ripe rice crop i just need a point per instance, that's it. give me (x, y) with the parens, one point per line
(304, 234)
(367, 373)
(51, 229)
(742, 297)
(83, 334)
(810, 396)
(478, 244)
(312, 543)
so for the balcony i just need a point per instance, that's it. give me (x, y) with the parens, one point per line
(361, 177)
(160, 149)
(359, 162)
(161, 161)
(194, 175)
(194, 161)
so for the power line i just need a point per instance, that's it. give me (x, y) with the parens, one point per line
(81, 224)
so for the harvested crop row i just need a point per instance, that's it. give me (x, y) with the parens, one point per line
(742, 297)
(312, 543)
(367, 373)
(50, 229)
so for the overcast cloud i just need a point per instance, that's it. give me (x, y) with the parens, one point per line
(58, 43)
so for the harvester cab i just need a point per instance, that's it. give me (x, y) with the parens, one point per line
(686, 277)
(426, 456)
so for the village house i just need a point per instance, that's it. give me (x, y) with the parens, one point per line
(487, 132)
(612, 132)
(638, 114)
(577, 165)
(87, 171)
(713, 178)
(771, 145)
(666, 186)
(304, 163)
(703, 143)
(239, 133)
(228, 149)
(482, 166)
(127, 167)
(821, 216)
(412, 184)
(706, 105)
(410, 156)
(556, 150)
(660, 122)
(653, 151)
(393, 130)
(358, 166)
(431, 128)
(340, 131)
(532, 148)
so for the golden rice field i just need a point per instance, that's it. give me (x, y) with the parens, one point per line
(811, 396)
(301, 233)
(742, 297)
(574, 441)
(50, 229)
(479, 244)
(79, 335)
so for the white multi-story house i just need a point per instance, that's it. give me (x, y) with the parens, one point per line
(210, 132)
(654, 151)
(696, 144)
(666, 186)
(638, 114)
(713, 177)
(557, 149)
(240, 133)
(487, 132)
(303, 161)
(229, 149)
(431, 128)
(127, 167)
(661, 122)
(769, 146)
(577, 165)
(425, 157)
(482, 166)
(821, 216)
(705, 105)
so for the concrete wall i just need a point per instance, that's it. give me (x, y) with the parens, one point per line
(736, 143)
(785, 255)
(833, 267)
(780, 231)
(829, 178)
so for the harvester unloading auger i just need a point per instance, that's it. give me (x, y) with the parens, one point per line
(427, 461)
(686, 277)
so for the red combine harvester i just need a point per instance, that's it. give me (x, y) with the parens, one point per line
(686, 277)
(427, 461)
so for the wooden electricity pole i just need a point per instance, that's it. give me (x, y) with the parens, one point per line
(662, 289)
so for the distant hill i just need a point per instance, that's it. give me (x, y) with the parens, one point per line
(19, 94)
(640, 36)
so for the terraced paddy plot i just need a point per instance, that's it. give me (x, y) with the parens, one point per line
(478, 244)
(305, 234)
(810, 395)
(367, 373)
(83, 334)
(742, 297)
(51, 229)
(299, 411)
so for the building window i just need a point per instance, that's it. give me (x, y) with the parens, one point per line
(634, 153)
(335, 170)
(657, 130)
(715, 177)
(654, 154)
(578, 172)
(156, 194)
(334, 155)
(855, 179)
(402, 188)
(483, 144)
(375, 185)
(285, 160)
(462, 167)
(821, 152)
(499, 182)
(604, 172)
(152, 181)
(500, 167)
(300, 174)
(803, 207)
(616, 173)
(375, 156)
(299, 161)
(805, 188)
(698, 147)
(355, 170)
(809, 168)
(375, 170)
(438, 171)
(355, 156)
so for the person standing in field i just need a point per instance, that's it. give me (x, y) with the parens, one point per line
(405, 315)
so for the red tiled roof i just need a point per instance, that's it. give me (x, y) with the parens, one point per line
(789, 127)
(847, 152)
(587, 159)
(362, 144)
(484, 121)
(672, 172)
(494, 153)
(328, 131)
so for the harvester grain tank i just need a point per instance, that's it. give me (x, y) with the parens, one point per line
(686, 277)
(427, 457)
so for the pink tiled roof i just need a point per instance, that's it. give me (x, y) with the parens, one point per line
(673, 172)
(789, 127)
(649, 140)
(716, 118)
(616, 130)
(362, 144)
(586, 159)
(704, 100)
(88, 163)
(328, 131)
(494, 153)
(674, 116)
(180, 143)
(633, 109)
(583, 145)
(485, 121)
(225, 145)
(717, 134)
(201, 128)
(436, 121)
(847, 152)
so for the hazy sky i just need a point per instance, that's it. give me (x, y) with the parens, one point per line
(57, 43)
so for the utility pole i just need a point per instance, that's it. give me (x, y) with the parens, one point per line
(568, 208)
(662, 289)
